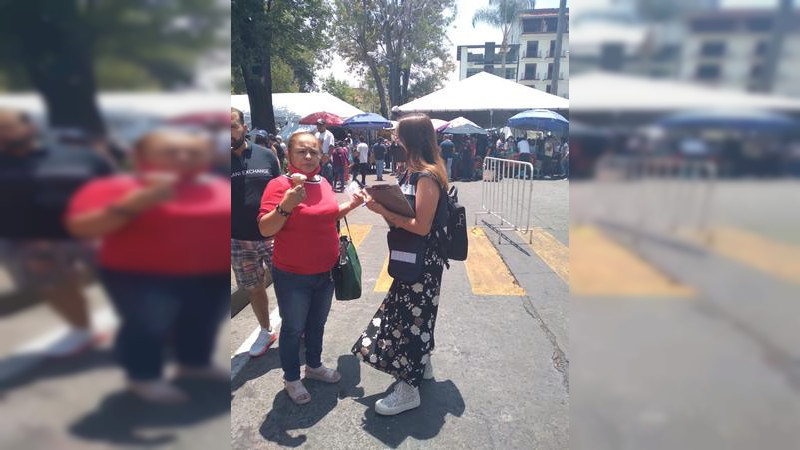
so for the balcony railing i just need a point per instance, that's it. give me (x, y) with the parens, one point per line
(552, 54)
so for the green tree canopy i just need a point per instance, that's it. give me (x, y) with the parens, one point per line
(396, 43)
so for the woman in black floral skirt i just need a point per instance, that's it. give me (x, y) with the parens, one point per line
(400, 337)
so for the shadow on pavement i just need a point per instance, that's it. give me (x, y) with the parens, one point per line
(20, 370)
(256, 367)
(285, 415)
(439, 398)
(123, 419)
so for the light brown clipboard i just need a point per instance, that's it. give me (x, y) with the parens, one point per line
(392, 198)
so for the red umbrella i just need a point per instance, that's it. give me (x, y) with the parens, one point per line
(329, 118)
(204, 118)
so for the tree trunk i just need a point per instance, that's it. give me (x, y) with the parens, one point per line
(376, 76)
(781, 26)
(58, 57)
(562, 12)
(404, 92)
(258, 82)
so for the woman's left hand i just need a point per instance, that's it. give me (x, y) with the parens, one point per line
(372, 204)
(360, 198)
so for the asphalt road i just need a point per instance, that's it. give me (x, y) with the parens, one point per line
(679, 342)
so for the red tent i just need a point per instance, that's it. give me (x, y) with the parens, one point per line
(329, 118)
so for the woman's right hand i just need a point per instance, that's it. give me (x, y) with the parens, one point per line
(158, 188)
(293, 197)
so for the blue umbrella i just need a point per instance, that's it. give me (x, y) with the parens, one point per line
(368, 121)
(539, 119)
(728, 118)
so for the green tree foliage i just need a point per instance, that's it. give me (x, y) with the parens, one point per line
(283, 77)
(395, 43)
(68, 49)
(262, 30)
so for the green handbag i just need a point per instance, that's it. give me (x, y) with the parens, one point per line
(347, 271)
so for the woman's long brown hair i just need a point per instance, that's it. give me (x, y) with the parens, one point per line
(417, 135)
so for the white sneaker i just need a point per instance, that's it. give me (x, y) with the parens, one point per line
(263, 342)
(71, 343)
(428, 373)
(403, 398)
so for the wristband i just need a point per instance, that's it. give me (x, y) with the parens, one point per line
(282, 211)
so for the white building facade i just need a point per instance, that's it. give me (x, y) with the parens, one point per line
(728, 48)
(530, 57)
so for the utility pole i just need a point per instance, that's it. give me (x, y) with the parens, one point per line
(562, 24)
(784, 16)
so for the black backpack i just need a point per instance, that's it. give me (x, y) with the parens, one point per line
(457, 244)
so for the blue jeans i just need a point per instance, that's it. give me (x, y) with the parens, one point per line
(338, 175)
(304, 302)
(379, 165)
(156, 310)
(449, 168)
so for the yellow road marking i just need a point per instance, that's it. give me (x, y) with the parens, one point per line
(487, 273)
(384, 280)
(778, 259)
(359, 231)
(550, 250)
(601, 267)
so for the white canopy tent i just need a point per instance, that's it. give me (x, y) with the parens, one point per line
(604, 92)
(294, 106)
(485, 92)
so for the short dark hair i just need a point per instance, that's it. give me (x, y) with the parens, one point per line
(239, 116)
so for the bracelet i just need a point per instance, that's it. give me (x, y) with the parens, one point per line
(282, 211)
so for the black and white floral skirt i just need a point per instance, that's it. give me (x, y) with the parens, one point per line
(399, 338)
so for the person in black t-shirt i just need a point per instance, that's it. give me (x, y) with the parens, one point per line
(36, 185)
(252, 167)
(379, 151)
(448, 150)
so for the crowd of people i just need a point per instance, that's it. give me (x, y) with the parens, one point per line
(285, 227)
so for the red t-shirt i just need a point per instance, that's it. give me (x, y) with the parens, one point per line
(187, 235)
(308, 242)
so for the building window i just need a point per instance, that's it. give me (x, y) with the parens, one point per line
(549, 88)
(761, 48)
(713, 49)
(713, 25)
(471, 72)
(759, 24)
(532, 49)
(550, 71)
(552, 52)
(530, 71)
(708, 72)
(531, 25)
(757, 71)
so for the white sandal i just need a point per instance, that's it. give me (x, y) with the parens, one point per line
(323, 373)
(297, 392)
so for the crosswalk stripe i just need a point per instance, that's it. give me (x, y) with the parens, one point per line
(487, 273)
(384, 280)
(550, 250)
(778, 259)
(601, 267)
(359, 233)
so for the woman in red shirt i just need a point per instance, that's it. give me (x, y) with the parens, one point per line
(164, 257)
(300, 211)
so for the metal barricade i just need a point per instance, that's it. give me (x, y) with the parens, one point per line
(507, 193)
(655, 194)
